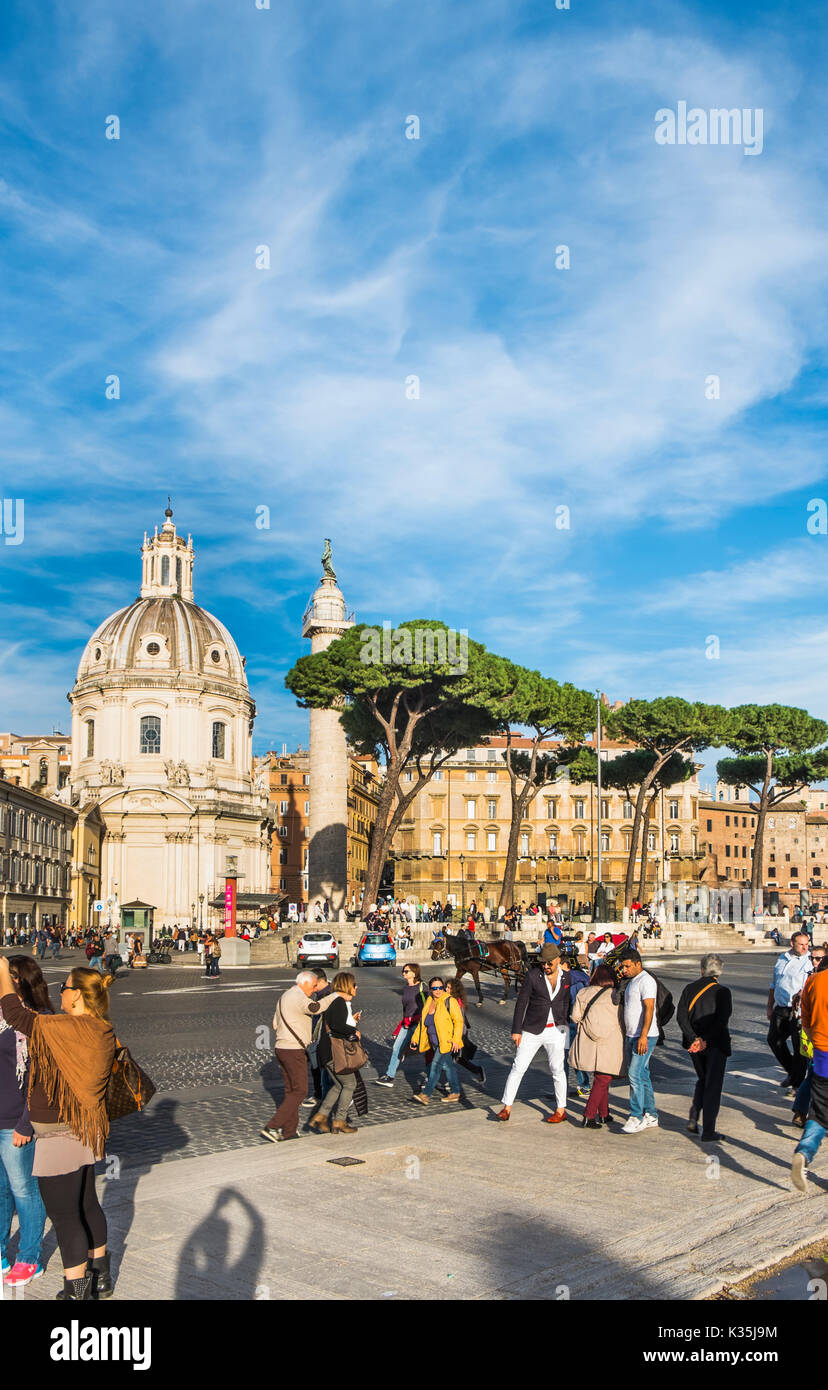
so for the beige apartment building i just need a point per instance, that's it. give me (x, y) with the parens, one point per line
(36, 834)
(453, 844)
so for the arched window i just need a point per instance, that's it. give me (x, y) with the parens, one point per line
(178, 574)
(219, 731)
(150, 734)
(43, 770)
(165, 569)
(90, 738)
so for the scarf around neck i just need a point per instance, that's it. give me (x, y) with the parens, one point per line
(21, 1053)
(72, 1058)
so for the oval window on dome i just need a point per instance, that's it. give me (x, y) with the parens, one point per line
(97, 653)
(215, 654)
(153, 648)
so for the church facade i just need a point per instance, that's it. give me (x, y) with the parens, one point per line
(162, 722)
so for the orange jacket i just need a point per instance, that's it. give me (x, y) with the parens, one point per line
(815, 1009)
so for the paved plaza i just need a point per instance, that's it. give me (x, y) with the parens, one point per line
(199, 1207)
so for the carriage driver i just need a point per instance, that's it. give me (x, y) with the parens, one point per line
(541, 1019)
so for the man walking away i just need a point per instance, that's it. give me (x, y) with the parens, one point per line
(789, 975)
(815, 1029)
(292, 1022)
(703, 1012)
(541, 1019)
(110, 947)
(641, 1028)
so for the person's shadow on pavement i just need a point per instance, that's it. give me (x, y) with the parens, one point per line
(136, 1143)
(206, 1255)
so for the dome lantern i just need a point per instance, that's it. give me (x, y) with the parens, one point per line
(167, 562)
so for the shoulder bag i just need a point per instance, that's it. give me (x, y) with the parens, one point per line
(129, 1089)
(347, 1054)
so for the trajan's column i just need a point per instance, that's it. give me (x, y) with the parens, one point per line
(325, 619)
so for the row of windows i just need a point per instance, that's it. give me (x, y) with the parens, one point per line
(23, 824)
(150, 737)
(20, 871)
(283, 779)
(579, 838)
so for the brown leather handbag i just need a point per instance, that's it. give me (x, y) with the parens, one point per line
(347, 1054)
(129, 1088)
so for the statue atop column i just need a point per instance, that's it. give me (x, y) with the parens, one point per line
(327, 567)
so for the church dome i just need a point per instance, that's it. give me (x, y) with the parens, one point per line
(163, 633)
(164, 630)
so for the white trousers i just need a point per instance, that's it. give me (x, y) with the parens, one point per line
(553, 1040)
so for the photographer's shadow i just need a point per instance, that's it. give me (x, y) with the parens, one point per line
(205, 1267)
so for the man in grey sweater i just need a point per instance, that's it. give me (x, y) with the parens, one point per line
(293, 1024)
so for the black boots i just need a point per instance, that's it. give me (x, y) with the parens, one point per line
(78, 1290)
(102, 1284)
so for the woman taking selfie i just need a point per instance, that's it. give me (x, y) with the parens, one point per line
(71, 1057)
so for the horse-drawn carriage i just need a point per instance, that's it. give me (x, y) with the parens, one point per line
(470, 957)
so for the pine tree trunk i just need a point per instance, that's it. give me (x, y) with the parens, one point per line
(507, 890)
(642, 877)
(756, 876)
(380, 840)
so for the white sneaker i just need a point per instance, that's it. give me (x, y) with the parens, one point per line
(633, 1125)
(799, 1172)
(650, 1122)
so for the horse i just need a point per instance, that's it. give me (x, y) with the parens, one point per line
(504, 956)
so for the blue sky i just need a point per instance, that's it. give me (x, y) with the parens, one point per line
(539, 387)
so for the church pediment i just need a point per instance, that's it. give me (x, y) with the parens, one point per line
(150, 800)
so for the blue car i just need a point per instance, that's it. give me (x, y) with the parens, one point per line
(375, 949)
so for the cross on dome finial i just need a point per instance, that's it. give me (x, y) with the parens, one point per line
(168, 513)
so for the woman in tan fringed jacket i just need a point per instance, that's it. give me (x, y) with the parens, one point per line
(71, 1061)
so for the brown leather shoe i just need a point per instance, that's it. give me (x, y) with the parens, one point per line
(342, 1127)
(320, 1123)
(423, 1100)
(454, 1095)
(502, 1114)
(557, 1118)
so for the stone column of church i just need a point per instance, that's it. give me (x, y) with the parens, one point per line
(326, 618)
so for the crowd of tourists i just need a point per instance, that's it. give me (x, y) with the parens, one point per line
(598, 1015)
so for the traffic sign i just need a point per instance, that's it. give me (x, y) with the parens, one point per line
(98, 906)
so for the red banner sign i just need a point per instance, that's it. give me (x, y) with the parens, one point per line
(230, 907)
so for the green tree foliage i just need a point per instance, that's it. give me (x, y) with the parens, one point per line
(663, 727)
(410, 714)
(544, 709)
(625, 773)
(780, 753)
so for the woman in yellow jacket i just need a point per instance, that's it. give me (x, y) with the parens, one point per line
(441, 1028)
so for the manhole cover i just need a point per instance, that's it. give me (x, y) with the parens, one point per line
(346, 1162)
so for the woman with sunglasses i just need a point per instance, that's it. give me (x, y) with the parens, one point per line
(414, 1000)
(441, 1029)
(71, 1061)
(18, 1186)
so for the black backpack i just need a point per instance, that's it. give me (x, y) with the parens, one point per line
(664, 1007)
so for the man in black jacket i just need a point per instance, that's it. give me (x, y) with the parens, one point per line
(541, 1019)
(703, 1012)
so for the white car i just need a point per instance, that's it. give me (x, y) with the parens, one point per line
(317, 948)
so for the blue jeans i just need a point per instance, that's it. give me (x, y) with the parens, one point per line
(442, 1062)
(396, 1052)
(20, 1191)
(802, 1102)
(582, 1078)
(96, 963)
(642, 1096)
(812, 1136)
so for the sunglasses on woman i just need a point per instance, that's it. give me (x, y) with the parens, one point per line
(438, 989)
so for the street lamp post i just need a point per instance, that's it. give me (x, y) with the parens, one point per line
(200, 911)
